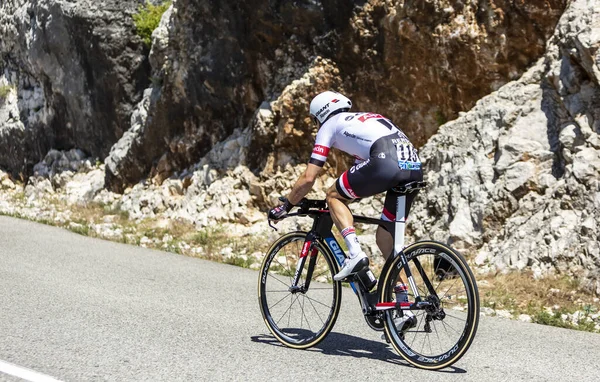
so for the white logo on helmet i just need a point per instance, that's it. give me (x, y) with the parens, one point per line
(322, 110)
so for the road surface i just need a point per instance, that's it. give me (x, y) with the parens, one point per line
(74, 308)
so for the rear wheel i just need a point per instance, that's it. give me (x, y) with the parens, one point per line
(298, 317)
(440, 334)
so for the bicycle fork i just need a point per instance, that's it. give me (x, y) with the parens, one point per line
(306, 249)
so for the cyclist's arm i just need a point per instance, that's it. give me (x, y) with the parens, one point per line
(304, 184)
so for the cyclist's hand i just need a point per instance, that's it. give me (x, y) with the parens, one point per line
(279, 212)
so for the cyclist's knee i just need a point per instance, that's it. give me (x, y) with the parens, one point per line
(332, 193)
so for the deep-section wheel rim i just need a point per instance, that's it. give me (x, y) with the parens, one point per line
(298, 318)
(441, 335)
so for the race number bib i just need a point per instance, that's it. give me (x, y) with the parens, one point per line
(408, 158)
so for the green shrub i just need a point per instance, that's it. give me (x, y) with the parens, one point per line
(5, 90)
(147, 19)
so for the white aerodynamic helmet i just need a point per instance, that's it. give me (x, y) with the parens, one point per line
(327, 103)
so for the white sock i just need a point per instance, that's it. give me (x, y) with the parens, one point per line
(351, 240)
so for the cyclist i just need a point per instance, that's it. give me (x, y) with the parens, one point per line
(384, 158)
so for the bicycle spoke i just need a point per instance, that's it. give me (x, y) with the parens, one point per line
(438, 337)
(424, 338)
(318, 302)
(287, 310)
(321, 274)
(418, 326)
(449, 326)
(429, 342)
(290, 310)
(272, 306)
(451, 286)
(302, 317)
(270, 275)
(456, 318)
(316, 311)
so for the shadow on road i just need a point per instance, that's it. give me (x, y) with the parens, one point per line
(345, 345)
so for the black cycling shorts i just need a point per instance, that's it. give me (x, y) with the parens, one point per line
(379, 173)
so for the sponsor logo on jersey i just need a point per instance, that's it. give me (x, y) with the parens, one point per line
(359, 166)
(354, 136)
(409, 165)
(321, 150)
(367, 116)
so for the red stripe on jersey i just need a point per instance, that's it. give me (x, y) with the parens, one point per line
(321, 150)
(347, 184)
(368, 116)
(388, 215)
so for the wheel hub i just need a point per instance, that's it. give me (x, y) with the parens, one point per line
(297, 289)
(434, 309)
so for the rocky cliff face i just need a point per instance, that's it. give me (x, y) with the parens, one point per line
(389, 56)
(78, 71)
(76, 68)
(221, 129)
(516, 180)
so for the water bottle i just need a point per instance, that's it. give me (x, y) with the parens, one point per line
(367, 278)
(401, 291)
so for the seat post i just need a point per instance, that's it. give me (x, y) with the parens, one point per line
(399, 224)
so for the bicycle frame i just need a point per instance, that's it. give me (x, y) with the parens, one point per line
(322, 231)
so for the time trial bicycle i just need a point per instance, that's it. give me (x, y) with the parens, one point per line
(426, 301)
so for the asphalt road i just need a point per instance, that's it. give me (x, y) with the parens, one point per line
(82, 309)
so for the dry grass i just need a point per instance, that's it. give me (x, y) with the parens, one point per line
(546, 300)
(520, 291)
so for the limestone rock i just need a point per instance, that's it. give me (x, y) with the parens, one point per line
(529, 202)
(418, 63)
(77, 68)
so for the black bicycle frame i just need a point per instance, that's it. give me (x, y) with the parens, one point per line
(321, 232)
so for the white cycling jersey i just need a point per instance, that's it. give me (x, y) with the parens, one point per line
(354, 133)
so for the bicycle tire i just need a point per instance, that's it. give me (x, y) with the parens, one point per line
(428, 255)
(323, 304)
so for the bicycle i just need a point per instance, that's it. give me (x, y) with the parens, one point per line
(300, 301)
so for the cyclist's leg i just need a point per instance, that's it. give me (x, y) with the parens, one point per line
(343, 220)
(384, 238)
(365, 179)
(384, 241)
(340, 213)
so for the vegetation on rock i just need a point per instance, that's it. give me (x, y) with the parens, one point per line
(5, 91)
(147, 20)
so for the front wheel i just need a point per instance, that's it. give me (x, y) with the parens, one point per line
(440, 333)
(299, 316)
